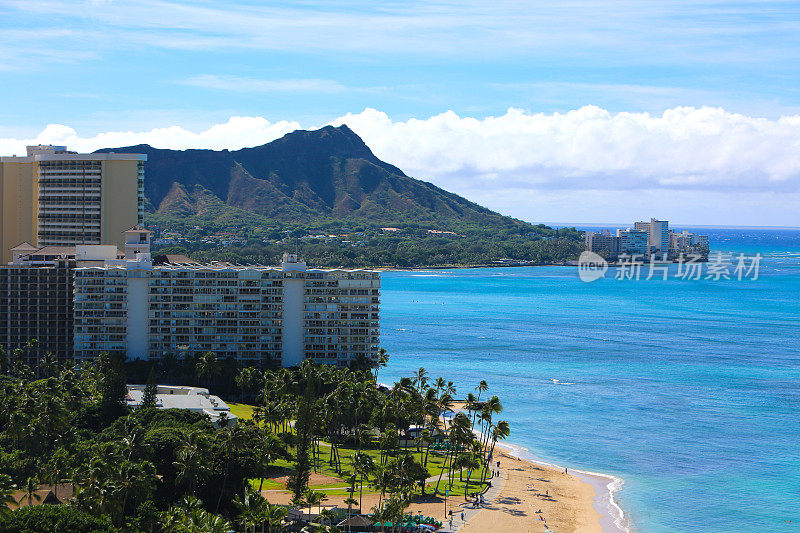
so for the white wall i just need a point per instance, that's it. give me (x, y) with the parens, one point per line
(138, 334)
(293, 291)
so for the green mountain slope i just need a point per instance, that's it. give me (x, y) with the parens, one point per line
(328, 181)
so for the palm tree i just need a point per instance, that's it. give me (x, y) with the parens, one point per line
(33, 346)
(383, 360)
(190, 465)
(314, 498)
(137, 478)
(420, 378)
(54, 473)
(250, 505)
(470, 462)
(272, 515)
(490, 408)
(31, 486)
(6, 494)
(500, 432)
(362, 466)
(232, 442)
(327, 516)
(350, 503)
(482, 387)
(207, 366)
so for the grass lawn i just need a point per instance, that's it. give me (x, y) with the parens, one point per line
(435, 466)
(241, 410)
(268, 484)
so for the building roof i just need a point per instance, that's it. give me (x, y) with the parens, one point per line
(356, 521)
(23, 247)
(46, 496)
(138, 228)
(63, 251)
(194, 399)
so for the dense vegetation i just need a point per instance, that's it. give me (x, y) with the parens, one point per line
(359, 245)
(171, 470)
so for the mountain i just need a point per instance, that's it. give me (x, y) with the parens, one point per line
(303, 177)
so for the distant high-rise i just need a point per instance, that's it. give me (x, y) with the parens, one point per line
(53, 197)
(632, 242)
(657, 235)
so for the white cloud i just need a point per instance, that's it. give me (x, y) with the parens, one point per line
(590, 148)
(691, 154)
(237, 132)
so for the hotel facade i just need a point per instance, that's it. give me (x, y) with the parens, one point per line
(282, 314)
(54, 197)
(647, 239)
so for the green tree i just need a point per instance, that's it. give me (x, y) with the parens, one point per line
(304, 428)
(6, 490)
(51, 518)
(113, 386)
(150, 390)
(30, 488)
(208, 366)
(272, 516)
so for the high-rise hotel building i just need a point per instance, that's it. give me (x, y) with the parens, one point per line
(280, 314)
(53, 197)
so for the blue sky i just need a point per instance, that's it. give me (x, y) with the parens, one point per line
(104, 66)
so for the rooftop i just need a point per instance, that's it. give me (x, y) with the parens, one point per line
(195, 399)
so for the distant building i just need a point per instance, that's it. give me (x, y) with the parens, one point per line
(254, 313)
(657, 235)
(36, 303)
(632, 242)
(686, 242)
(194, 399)
(645, 239)
(603, 243)
(53, 197)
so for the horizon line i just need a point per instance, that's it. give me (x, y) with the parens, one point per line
(628, 224)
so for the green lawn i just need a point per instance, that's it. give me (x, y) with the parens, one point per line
(241, 410)
(268, 484)
(435, 466)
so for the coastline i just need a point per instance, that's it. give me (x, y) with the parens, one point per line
(612, 519)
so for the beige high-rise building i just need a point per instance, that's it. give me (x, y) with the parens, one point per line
(53, 197)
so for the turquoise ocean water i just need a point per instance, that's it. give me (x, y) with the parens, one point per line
(687, 390)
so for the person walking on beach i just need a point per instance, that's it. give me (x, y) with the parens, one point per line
(462, 516)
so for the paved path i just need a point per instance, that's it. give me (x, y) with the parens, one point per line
(489, 496)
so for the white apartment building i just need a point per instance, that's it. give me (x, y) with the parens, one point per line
(284, 314)
(686, 241)
(657, 235)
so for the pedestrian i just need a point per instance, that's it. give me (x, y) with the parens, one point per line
(462, 516)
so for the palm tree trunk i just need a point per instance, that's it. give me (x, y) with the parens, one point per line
(360, 492)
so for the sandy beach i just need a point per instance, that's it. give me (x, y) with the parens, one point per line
(565, 501)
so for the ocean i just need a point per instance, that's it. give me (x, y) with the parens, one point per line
(686, 390)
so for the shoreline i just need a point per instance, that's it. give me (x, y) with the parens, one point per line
(612, 518)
